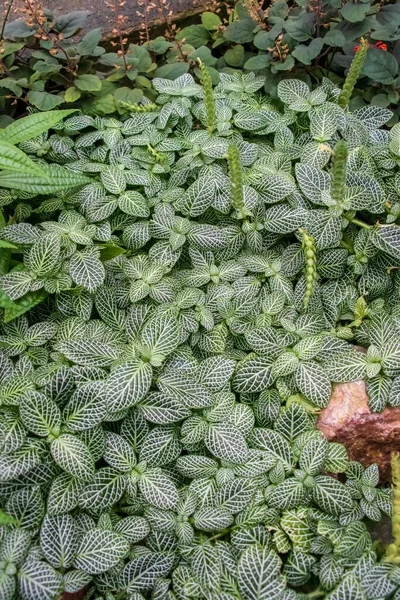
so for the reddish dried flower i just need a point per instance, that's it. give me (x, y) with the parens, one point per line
(379, 45)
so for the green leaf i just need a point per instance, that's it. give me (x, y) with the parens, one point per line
(305, 54)
(88, 83)
(127, 95)
(172, 70)
(355, 11)
(110, 251)
(70, 23)
(234, 56)
(334, 37)
(4, 244)
(194, 35)
(43, 100)
(380, 66)
(89, 42)
(6, 519)
(256, 63)
(300, 27)
(210, 20)
(72, 94)
(240, 31)
(284, 65)
(23, 305)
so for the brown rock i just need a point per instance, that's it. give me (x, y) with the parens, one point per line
(76, 595)
(368, 437)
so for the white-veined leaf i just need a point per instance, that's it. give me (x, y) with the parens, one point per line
(158, 489)
(87, 270)
(40, 414)
(99, 550)
(259, 574)
(128, 384)
(39, 581)
(73, 456)
(59, 540)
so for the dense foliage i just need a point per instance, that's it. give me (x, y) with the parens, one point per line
(307, 39)
(43, 62)
(180, 286)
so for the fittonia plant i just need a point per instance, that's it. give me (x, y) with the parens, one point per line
(192, 300)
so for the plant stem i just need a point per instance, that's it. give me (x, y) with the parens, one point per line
(59, 47)
(360, 223)
(316, 594)
(5, 19)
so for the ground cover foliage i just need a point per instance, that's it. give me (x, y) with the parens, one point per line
(44, 63)
(180, 287)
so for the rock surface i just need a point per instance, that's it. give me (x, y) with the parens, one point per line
(100, 15)
(368, 437)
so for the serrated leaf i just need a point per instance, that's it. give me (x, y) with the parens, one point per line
(55, 179)
(13, 159)
(33, 125)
